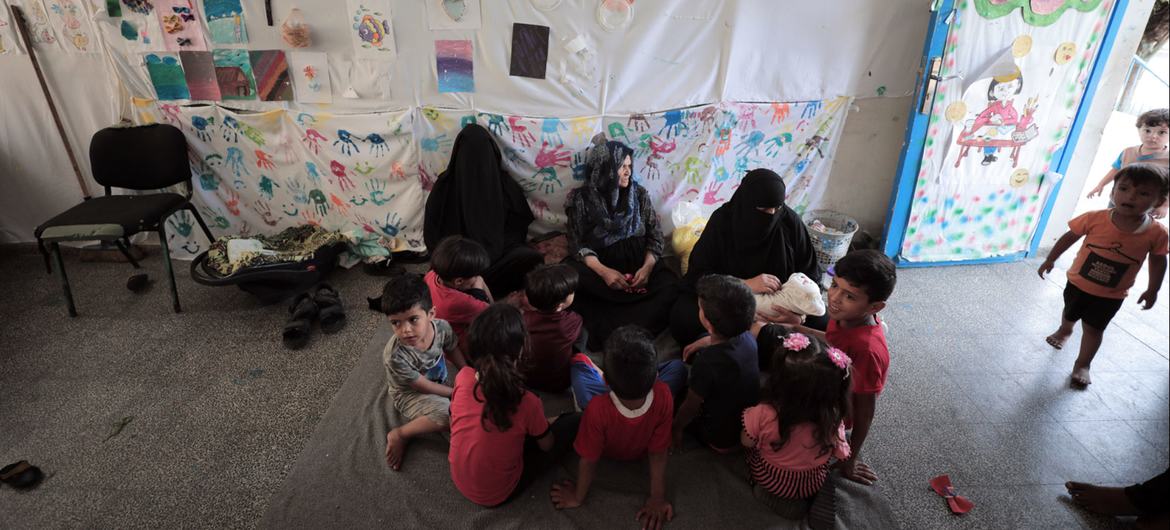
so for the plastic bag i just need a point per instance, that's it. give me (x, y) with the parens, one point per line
(690, 218)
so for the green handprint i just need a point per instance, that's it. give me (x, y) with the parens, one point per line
(377, 189)
(181, 223)
(217, 218)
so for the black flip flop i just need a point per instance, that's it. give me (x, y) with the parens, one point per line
(332, 311)
(300, 324)
(21, 475)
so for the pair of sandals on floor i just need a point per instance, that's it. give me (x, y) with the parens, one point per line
(321, 303)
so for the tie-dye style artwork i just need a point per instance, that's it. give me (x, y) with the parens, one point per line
(453, 62)
(225, 21)
(181, 28)
(310, 74)
(371, 29)
(73, 26)
(41, 32)
(986, 171)
(199, 70)
(233, 72)
(368, 175)
(271, 72)
(166, 74)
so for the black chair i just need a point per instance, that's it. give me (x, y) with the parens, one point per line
(150, 157)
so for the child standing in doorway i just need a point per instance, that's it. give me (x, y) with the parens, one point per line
(1154, 131)
(1117, 241)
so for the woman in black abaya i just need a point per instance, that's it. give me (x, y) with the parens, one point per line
(615, 243)
(754, 237)
(477, 199)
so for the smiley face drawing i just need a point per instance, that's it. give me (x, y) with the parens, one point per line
(1019, 178)
(1064, 53)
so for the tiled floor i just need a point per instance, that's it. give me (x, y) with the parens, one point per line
(221, 411)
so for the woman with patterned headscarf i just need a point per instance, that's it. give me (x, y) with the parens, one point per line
(615, 243)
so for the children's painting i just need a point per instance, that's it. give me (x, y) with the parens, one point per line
(166, 74)
(370, 29)
(199, 70)
(233, 73)
(453, 14)
(225, 21)
(454, 65)
(113, 8)
(138, 28)
(180, 24)
(73, 25)
(272, 79)
(529, 50)
(41, 31)
(310, 74)
(8, 42)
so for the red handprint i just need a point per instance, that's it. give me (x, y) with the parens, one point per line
(340, 204)
(397, 171)
(520, 133)
(339, 171)
(232, 202)
(425, 179)
(780, 112)
(313, 139)
(710, 198)
(264, 160)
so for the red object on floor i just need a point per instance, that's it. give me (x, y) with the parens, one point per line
(959, 504)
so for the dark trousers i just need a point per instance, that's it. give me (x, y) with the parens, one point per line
(1150, 496)
(538, 462)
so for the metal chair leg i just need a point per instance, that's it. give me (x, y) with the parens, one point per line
(202, 224)
(166, 257)
(125, 248)
(64, 279)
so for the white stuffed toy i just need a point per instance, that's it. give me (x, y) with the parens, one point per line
(799, 294)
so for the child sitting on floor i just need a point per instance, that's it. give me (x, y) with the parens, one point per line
(554, 332)
(589, 381)
(725, 378)
(1154, 131)
(632, 422)
(799, 423)
(500, 439)
(416, 370)
(458, 290)
(1117, 241)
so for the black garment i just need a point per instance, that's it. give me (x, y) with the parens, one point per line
(727, 377)
(1096, 311)
(538, 462)
(744, 242)
(477, 199)
(1150, 496)
(606, 212)
(605, 309)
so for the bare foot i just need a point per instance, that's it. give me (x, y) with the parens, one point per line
(1080, 378)
(1101, 499)
(1057, 339)
(395, 449)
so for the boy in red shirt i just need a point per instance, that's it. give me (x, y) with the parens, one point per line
(457, 287)
(1117, 241)
(633, 420)
(862, 282)
(554, 332)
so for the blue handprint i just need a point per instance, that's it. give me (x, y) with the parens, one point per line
(266, 185)
(392, 226)
(297, 188)
(774, 144)
(580, 167)
(314, 176)
(674, 123)
(751, 144)
(432, 145)
(348, 147)
(377, 190)
(200, 124)
(377, 144)
(741, 166)
(496, 123)
(550, 131)
(810, 109)
(231, 129)
(721, 174)
(235, 160)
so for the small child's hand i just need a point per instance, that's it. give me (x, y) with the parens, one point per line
(564, 495)
(655, 513)
(1147, 299)
(1095, 192)
(693, 347)
(1045, 268)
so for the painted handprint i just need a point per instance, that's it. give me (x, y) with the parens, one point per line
(741, 167)
(264, 160)
(339, 204)
(721, 174)
(265, 212)
(297, 189)
(435, 143)
(642, 148)
(810, 109)
(707, 118)
(392, 225)
(547, 161)
(235, 161)
(617, 132)
(377, 144)
(208, 181)
(200, 125)
(638, 122)
(582, 128)
(780, 112)
(348, 146)
(775, 144)
(311, 217)
(724, 142)
(425, 179)
(658, 147)
(366, 225)
(319, 202)
(397, 171)
(232, 202)
(495, 123)
(170, 113)
(218, 219)
(751, 144)
(692, 170)
(377, 192)
(580, 166)
(674, 123)
(747, 117)
(231, 129)
(253, 134)
(550, 131)
(266, 186)
(520, 134)
(180, 224)
(314, 175)
(313, 140)
(339, 171)
(710, 197)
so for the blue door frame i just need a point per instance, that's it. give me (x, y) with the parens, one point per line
(898, 212)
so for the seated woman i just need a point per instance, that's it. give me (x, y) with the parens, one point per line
(477, 199)
(754, 237)
(615, 243)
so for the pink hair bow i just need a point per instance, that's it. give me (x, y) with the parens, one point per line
(959, 504)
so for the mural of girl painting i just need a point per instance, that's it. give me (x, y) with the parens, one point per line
(999, 119)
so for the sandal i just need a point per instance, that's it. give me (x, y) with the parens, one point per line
(332, 311)
(296, 330)
(21, 475)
